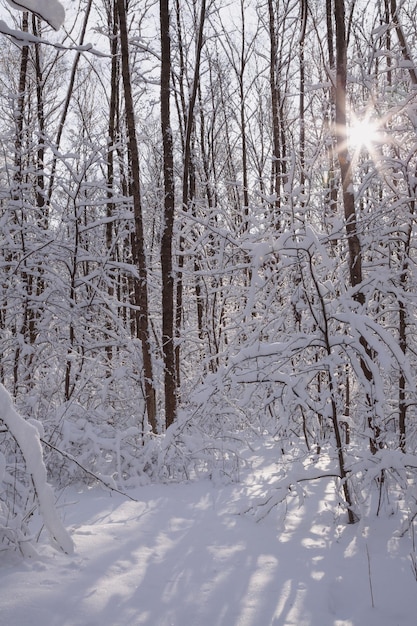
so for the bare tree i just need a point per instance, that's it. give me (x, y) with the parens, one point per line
(168, 347)
(141, 284)
(355, 253)
(188, 174)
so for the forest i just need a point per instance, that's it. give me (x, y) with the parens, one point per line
(208, 240)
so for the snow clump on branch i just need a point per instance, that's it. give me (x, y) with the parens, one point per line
(51, 11)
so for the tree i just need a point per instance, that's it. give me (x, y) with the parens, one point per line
(170, 385)
(188, 173)
(345, 163)
(141, 285)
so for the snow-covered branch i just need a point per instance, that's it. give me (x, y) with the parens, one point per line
(24, 39)
(51, 11)
(27, 438)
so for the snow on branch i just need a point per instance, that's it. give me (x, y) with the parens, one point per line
(27, 438)
(51, 11)
(25, 39)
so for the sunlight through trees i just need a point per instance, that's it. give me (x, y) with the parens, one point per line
(207, 234)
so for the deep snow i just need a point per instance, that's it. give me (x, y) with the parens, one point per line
(185, 555)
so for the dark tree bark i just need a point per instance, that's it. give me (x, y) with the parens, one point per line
(354, 245)
(273, 66)
(168, 348)
(355, 253)
(188, 171)
(304, 9)
(113, 32)
(331, 194)
(138, 247)
(242, 112)
(16, 190)
(40, 156)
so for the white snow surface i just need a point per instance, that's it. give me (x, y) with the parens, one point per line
(51, 11)
(186, 555)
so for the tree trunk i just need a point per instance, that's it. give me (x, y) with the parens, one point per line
(141, 285)
(170, 384)
(17, 190)
(355, 253)
(114, 87)
(242, 112)
(354, 246)
(276, 139)
(331, 182)
(187, 194)
(302, 96)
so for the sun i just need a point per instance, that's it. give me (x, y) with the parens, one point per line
(363, 134)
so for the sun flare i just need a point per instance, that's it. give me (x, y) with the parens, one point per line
(363, 134)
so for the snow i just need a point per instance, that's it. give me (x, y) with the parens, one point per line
(22, 38)
(186, 554)
(27, 437)
(51, 11)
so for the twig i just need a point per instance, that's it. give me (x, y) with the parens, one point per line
(370, 577)
(413, 564)
(410, 525)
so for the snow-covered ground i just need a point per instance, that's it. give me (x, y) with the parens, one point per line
(185, 555)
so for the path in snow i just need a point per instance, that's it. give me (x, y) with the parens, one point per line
(184, 556)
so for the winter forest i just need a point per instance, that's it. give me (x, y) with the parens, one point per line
(208, 245)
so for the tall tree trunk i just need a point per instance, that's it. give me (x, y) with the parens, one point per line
(403, 314)
(276, 138)
(17, 191)
(40, 165)
(355, 253)
(170, 385)
(242, 112)
(141, 284)
(112, 127)
(332, 386)
(331, 183)
(187, 195)
(354, 246)
(304, 9)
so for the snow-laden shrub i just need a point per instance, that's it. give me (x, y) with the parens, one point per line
(87, 451)
(16, 500)
(23, 484)
(193, 448)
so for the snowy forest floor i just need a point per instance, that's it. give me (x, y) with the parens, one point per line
(186, 555)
